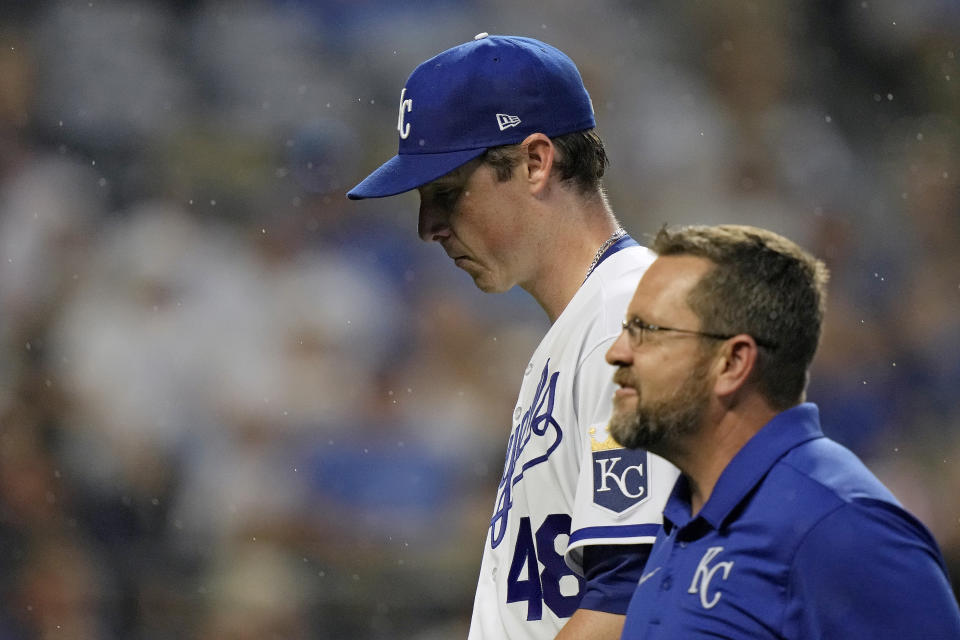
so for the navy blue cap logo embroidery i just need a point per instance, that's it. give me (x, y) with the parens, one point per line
(619, 474)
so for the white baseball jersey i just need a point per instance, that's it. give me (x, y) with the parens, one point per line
(566, 484)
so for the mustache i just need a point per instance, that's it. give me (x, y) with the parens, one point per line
(624, 378)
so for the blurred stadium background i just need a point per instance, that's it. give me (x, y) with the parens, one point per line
(234, 405)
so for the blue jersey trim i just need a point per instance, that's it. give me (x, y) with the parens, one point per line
(628, 531)
(622, 243)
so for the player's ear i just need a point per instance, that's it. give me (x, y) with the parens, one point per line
(538, 156)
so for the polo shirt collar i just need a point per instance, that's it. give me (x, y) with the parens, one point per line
(784, 432)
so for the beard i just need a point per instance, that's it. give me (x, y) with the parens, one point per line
(661, 426)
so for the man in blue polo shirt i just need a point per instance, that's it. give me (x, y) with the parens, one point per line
(772, 530)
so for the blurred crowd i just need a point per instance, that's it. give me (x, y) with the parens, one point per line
(234, 405)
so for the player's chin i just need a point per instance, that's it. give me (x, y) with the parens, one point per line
(487, 283)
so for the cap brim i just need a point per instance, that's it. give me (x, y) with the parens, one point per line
(404, 172)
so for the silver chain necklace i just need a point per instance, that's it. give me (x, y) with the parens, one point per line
(619, 233)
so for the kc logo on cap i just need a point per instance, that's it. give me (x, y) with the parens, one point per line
(405, 105)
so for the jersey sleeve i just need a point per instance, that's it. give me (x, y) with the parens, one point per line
(870, 570)
(620, 492)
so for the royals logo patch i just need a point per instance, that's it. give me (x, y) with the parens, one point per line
(619, 474)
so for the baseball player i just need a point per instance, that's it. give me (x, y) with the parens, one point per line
(773, 531)
(498, 137)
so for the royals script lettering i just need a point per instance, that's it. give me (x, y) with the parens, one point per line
(537, 421)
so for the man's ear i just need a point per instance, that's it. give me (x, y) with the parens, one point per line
(538, 154)
(737, 360)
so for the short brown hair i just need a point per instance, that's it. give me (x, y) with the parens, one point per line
(582, 159)
(763, 285)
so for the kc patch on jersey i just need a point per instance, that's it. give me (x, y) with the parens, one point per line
(619, 474)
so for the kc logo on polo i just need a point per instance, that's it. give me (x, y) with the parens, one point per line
(705, 573)
(405, 105)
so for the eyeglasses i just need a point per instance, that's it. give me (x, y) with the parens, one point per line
(635, 328)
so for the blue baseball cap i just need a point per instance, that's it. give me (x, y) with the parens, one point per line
(491, 91)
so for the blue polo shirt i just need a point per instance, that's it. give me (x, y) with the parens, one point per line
(797, 540)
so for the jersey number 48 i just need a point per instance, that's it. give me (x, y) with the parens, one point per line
(542, 586)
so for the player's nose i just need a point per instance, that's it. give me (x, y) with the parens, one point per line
(432, 223)
(620, 354)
